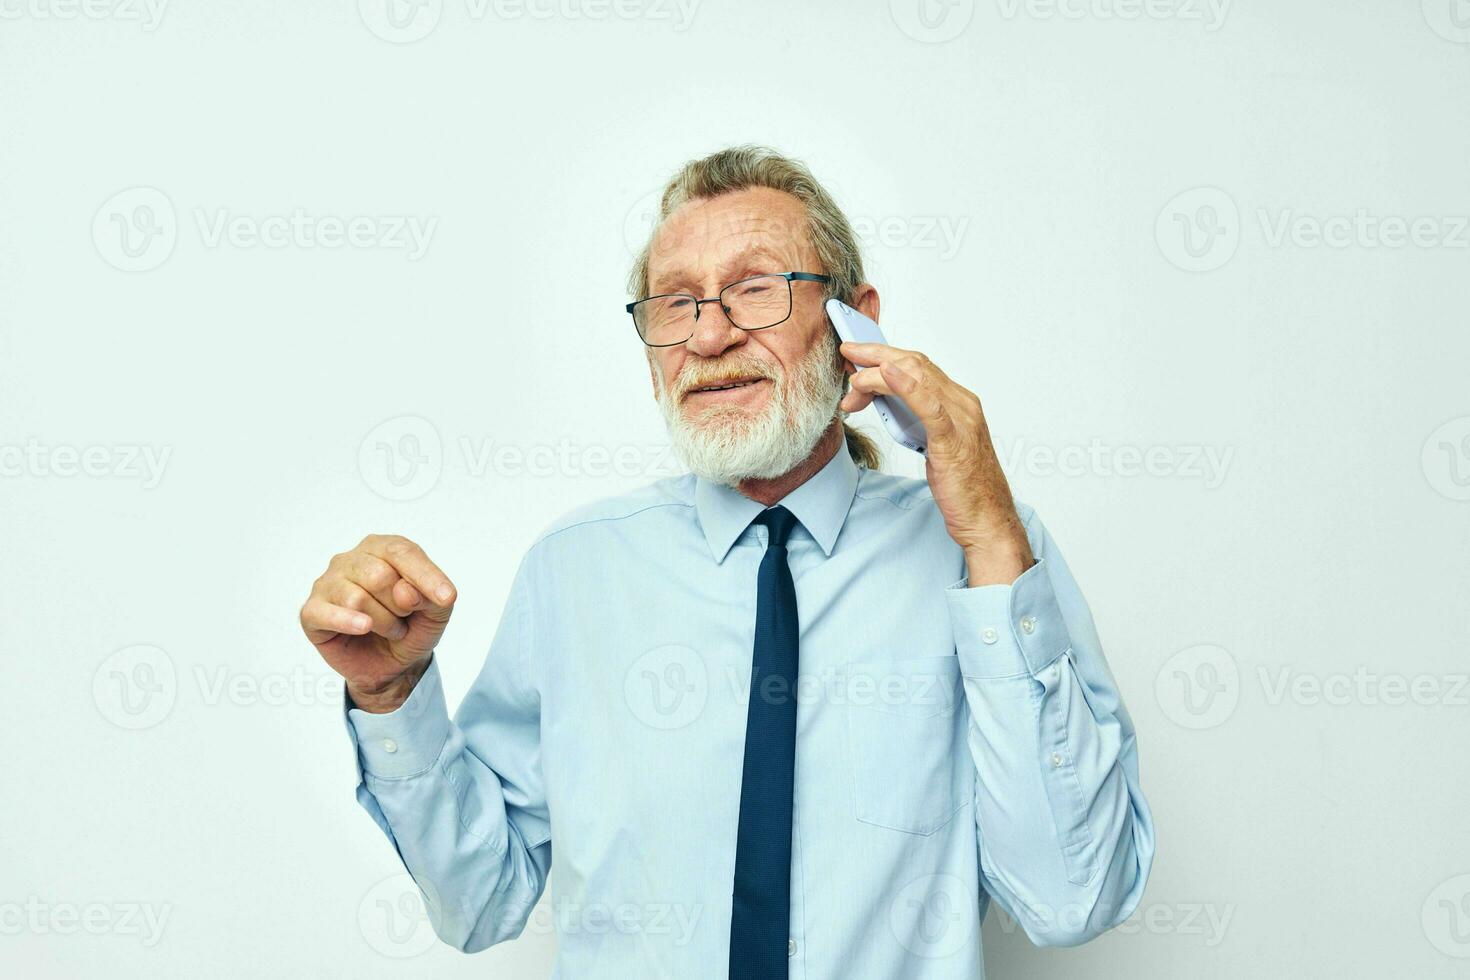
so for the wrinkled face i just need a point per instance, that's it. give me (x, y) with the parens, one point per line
(704, 246)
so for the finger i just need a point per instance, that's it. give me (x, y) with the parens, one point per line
(354, 596)
(855, 401)
(870, 354)
(870, 382)
(323, 620)
(907, 381)
(411, 562)
(405, 596)
(926, 390)
(377, 577)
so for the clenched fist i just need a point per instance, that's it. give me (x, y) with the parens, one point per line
(375, 615)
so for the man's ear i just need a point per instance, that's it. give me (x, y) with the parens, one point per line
(865, 300)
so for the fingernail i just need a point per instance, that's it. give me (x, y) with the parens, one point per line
(445, 592)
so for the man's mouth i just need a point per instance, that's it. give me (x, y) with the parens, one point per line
(729, 384)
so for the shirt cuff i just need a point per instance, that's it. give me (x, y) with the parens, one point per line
(408, 740)
(1007, 630)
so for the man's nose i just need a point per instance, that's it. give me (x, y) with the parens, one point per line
(713, 332)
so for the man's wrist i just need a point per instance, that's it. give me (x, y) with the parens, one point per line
(391, 696)
(997, 565)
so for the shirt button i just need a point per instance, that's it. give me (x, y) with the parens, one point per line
(1028, 625)
(389, 745)
(791, 947)
(989, 635)
(1056, 759)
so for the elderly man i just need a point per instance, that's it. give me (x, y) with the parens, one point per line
(785, 715)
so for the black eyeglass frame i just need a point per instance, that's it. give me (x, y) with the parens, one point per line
(790, 277)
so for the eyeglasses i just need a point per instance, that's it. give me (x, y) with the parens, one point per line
(756, 303)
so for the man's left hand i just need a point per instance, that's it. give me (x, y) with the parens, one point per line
(961, 465)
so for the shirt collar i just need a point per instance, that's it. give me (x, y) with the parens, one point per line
(820, 504)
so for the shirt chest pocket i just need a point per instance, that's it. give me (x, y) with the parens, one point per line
(905, 740)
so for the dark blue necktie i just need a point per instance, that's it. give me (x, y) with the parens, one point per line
(761, 917)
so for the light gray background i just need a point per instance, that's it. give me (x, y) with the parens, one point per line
(1025, 176)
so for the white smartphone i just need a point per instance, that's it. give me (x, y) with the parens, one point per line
(900, 422)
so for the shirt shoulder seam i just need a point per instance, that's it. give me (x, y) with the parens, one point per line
(612, 517)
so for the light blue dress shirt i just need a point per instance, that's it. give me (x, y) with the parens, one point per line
(955, 745)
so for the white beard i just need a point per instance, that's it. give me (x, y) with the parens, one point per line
(726, 445)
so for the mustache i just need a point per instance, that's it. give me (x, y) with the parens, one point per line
(699, 375)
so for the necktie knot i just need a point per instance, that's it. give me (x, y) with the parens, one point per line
(780, 521)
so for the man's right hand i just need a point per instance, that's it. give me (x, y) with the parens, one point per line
(375, 615)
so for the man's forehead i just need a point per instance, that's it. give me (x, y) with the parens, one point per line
(729, 229)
